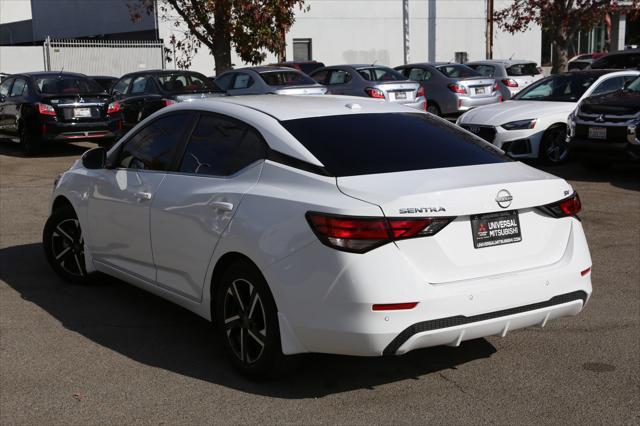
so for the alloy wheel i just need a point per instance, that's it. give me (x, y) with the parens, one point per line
(557, 148)
(67, 246)
(245, 323)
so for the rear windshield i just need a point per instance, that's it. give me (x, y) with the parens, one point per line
(185, 83)
(558, 88)
(380, 74)
(362, 144)
(285, 78)
(523, 69)
(457, 71)
(66, 85)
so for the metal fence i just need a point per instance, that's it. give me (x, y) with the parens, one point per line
(103, 57)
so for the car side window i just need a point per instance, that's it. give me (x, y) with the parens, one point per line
(224, 81)
(485, 70)
(5, 86)
(18, 87)
(221, 146)
(153, 147)
(418, 74)
(610, 85)
(139, 85)
(242, 81)
(320, 76)
(121, 86)
(339, 77)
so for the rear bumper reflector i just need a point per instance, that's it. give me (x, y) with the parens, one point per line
(586, 271)
(394, 306)
(440, 323)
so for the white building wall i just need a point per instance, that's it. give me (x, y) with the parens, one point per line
(17, 59)
(364, 31)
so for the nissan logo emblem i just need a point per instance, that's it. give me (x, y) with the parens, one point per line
(504, 198)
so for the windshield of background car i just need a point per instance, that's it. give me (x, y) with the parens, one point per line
(518, 70)
(558, 88)
(380, 74)
(285, 78)
(457, 71)
(66, 85)
(362, 144)
(634, 86)
(184, 83)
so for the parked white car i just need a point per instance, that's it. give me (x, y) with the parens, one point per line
(514, 74)
(323, 224)
(533, 124)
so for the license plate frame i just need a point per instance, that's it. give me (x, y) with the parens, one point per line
(597, 132)
(82, 112)
(479, 90)
(495, 229)
(401, 95)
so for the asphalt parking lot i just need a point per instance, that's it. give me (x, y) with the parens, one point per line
(112, 354)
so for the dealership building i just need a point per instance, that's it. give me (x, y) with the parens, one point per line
(389, 32)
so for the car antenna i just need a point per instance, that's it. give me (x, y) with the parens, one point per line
(374, 62)
(60, 73)
(511, 57)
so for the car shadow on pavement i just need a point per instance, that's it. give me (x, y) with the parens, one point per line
(625, 176)
(12, 149)
(157, 333)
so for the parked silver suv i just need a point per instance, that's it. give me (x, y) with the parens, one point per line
(451, 88)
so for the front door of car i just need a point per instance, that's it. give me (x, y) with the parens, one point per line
(132, 105)
(5, 88)
(121, 196)
(12, 104)
(194, 205)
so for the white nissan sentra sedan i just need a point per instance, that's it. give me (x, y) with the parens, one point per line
(323, 224)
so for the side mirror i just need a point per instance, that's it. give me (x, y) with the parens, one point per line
(95, 158)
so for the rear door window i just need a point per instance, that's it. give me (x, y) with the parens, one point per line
(121, 86)
(380, 74)
(338, 77)
(419, 74)
(5, 86)
(320, 76)
(518, 70)
(221, 146)
(18, 87)
(224, 81)
(457, 71)
(242, 81)
(285, 78)
(362, 144)
(485, 70)
(139, 85)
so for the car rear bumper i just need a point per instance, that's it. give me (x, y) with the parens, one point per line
(606, 150)
(330, 310)
(465, 103)
(73, 132)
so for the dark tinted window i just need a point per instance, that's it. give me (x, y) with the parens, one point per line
(221, 146)
(5, 86)
(338, 77)
(523, 69)
(285, 78)
(121, 86)
(457, 71)
(310, 67)
(392, 142)
(242, 81)
(67, 85)
(153, 147)
(224, 81)
(483, 69)
(380, 74)
(185, 83)
(558, 88)
(18, 87)
(139, 85)
(622, 60)
(320, 76)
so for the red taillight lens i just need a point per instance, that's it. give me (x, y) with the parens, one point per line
(44, 109)
(361, 234)
(374, 93)
(167, 102)
(509, 82)
(457, 88)
(394, 306)
(113, 107)
(420, 92)
(570, 206)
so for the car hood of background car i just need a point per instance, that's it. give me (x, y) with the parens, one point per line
(620, 103)
(505, 112)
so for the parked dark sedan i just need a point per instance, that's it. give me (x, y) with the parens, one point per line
(105, 81)
(41, 107)
(142, 93)
(624, 59)
(374, 81)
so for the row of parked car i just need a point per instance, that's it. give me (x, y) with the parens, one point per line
(532, 123)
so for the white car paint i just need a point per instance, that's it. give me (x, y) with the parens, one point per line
(546, 113)
(166, 232)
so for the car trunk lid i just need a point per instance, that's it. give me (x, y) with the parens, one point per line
(467, 193)
(477, 86)
(310, 89)
(399, 91)
(76, 108)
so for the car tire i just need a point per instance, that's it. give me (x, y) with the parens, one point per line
(554, 148)
(31, 144)
(64, 245)
(433, 109)
(246, 320)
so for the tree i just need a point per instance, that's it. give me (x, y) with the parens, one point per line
(249, 26)
(562, 19)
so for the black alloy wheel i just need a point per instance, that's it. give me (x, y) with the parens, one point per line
(554, 148)
(247, 321)
(64, 245)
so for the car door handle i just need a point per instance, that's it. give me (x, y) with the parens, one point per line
(222, 205)
(143, 196)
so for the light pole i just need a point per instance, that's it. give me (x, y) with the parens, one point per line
(405, 30)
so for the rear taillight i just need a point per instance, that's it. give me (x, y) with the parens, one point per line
(420, 92)
(44, 109)
(457, 88)
(113, 107)
(361, 234)
(570, 206)
(167, 102)
(509, 82)
(374, 93)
